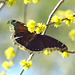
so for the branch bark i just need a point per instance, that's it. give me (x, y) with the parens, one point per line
(2, 5)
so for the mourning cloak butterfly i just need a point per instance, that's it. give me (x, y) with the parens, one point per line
(32, 41)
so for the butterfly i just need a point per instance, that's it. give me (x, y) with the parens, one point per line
(2, 3)
(33, 42)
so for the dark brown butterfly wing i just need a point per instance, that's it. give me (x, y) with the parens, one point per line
(44, 41)
(34, 45)
(41, 42)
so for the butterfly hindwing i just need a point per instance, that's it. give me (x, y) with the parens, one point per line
(53, 43)
(34, 44)
(43, 41)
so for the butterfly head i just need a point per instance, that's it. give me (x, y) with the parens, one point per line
(11, 21)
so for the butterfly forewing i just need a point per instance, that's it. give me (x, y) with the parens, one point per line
(21, 31)
(19, 27)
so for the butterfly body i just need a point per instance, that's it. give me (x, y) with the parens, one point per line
(34, 42)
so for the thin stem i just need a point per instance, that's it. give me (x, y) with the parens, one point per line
(22, 72)
(25, 12)
(52, 13)
(71, 52)
(50, 23)
(30, 57)
(2, 5)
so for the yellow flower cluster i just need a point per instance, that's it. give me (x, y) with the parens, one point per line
(63, 16)
(29, 1)
(31, 26)
(10, 2)
(35, 27)
(2, 73)
(72, 34)
(64, 54)
(40, 28)
(69, 15)
(7, 64)
(47, 52)
(26, 65)
(10, 53)
(36, 1)
(57, 20)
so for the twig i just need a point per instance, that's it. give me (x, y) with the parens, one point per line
(61, 20)
(2, 5)
(25, 12)
(54, 22)
(52, 13)
(71, 52)
(30, 57)
(50, 23)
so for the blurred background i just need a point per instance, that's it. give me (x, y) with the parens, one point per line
(52, 64)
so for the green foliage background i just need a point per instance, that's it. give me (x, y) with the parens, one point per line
(53, 64)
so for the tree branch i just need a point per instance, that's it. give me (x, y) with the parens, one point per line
(30, 57)
(52, 13)
(72, 52)
(2, 5)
